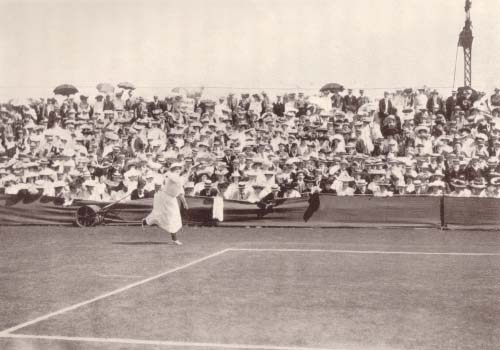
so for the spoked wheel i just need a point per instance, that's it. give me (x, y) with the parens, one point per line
(88, 216)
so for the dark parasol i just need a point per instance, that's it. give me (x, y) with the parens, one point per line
(65, 90)
(332, 87)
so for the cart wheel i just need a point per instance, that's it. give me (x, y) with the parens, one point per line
(87, 216)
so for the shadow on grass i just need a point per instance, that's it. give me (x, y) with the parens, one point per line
(144, 243)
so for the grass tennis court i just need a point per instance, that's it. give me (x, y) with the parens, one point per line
(277, 289)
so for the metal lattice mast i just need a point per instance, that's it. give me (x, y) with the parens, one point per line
(465, 40)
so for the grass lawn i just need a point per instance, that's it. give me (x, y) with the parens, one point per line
(314, 299)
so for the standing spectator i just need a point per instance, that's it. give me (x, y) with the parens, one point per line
(232, 102)
(118, 102)
(154, 105)
(108, 104)
(495, 99)
(301, 105)
(244, 103)
(362, 99)
(421, 100)
(266, 103)
(256, 104)
(350, 102)
(337, 101)
(84, 108)
(98, 106)
(408, 99)
(385, 107)
(278, 107)
(435, 103)
(451, 102)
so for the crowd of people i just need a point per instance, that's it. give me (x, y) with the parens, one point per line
(253, 147)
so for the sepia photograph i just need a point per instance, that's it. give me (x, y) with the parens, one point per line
(250, 175)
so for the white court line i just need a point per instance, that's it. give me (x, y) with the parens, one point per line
(388, 252)
(105, 295)
(117, 276)
(162, 342)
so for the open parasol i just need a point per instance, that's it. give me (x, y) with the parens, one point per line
(126, 85)
(367, 108)
(461, 92)
(19, 102)
(180, 90)
(332, 87)
(190, 93)
(65, 90)
(105, 88)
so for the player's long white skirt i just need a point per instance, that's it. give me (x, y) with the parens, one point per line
(166, 213)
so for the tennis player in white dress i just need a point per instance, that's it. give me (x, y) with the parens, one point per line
(166, 211)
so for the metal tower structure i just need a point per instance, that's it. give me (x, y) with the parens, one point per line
(465, 40)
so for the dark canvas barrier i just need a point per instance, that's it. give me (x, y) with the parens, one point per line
(368, 210)
(337, 211)
(35, 210)
(480, 212)
(289, 212)
(326, 211)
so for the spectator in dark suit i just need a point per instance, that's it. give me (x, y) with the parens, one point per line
(435, 103)
(209, 191)
(278, 107)
(337, 100)
(139, 192)
(350, 102)
(451, 102)
(473, 171)
(466, 100)
(266, 103)
(385, 107)
(229, 158)
(155, 105)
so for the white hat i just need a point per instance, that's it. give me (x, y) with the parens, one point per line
(89, 183)
(176, 165)
(111, 136)
(482, 137)
(437, 183)
(57, 184)
(346, 178)
(421, 128)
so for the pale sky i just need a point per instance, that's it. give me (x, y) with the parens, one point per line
(258, 44)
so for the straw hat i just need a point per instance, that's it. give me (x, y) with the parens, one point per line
(478, 183)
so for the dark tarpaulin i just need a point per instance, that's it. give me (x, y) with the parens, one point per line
(321, 211)
(328, 210)
(380, 211)
(462, 211)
